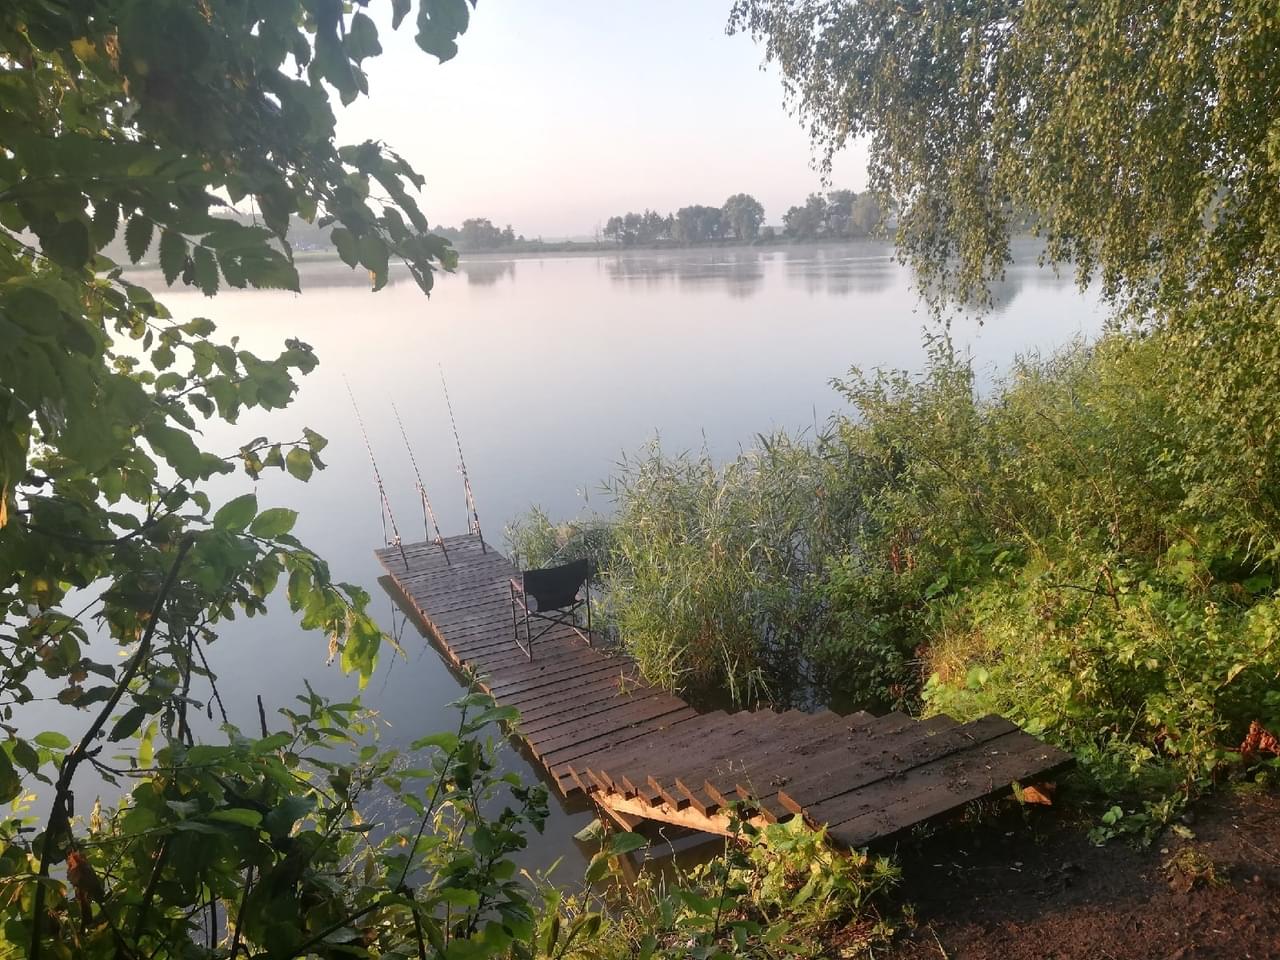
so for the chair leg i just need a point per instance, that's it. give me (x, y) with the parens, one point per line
(515, 623)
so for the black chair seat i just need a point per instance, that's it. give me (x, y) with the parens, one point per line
(551, 595)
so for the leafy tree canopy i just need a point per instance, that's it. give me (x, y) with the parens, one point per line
(1141, 137)
(1140, 140)
(148, 118)
(697, 223)
(744, 214)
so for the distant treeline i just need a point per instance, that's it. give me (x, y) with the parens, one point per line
(836, 215)
(480, 233)
(839, 214)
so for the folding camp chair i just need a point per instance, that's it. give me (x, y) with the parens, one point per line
(551, 596)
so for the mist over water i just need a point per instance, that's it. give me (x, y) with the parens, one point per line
(556, 366)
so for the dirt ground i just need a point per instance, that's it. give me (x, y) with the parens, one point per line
(1010, 890)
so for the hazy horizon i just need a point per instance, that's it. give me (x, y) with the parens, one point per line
(552, 119)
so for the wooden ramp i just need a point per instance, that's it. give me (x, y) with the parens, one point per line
(643, 754)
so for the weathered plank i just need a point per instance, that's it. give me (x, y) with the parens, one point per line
(548, 725)
(934, 789)
(619, 718)
(575, 753)
(723, 755)
(875, 785)
(629, 772)
(643, 753)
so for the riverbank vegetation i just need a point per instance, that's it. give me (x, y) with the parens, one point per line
(1055, 550)
(837, 215)
(1089, 547)
(143, 818)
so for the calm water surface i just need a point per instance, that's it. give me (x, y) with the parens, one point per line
(556, 366)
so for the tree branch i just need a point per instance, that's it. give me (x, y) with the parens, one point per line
(58, 819)
(244, 898)
(150, 892)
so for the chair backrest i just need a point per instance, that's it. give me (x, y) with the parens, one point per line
(555, 588)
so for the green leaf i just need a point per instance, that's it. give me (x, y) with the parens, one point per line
(197, 826)
(977, 677)
(439, 24)
(240, 815)
(27, 757)
(448, 742)
(206, 270)
(374, 257)
(345, 243)
(162, 357)
(299, 464)
(288, 812)
(588, 926)
(53, 740)
(68, 244)
(316, 441)
(128, 723)
(274, 742)
(137, 237)
(10, 781)
(597, 868)
(173, 255)
(235, 515)
(698, 904)
(493, 715)
(106, 222)
(399, 10)
(183, 808)
(552, 935)
(459, 897)
(362, 38)
(178, 450)
(273, 522)
(625, 843)
(146, 746)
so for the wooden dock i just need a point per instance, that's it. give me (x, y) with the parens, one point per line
(643, 754)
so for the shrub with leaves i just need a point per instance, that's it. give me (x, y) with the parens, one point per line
(1058, 550)
(307, 840)
(773, 893)
(128, 125)
(708, 564)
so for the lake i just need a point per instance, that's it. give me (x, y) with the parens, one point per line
(556, 366)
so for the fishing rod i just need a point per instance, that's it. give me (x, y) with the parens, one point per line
(377, 476)
(474, 522)
(428, 514)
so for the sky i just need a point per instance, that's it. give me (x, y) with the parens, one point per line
(555, 115)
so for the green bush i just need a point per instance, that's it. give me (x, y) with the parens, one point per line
(780, 891)
(1077, 581)
(1083, 547)
(709, 567)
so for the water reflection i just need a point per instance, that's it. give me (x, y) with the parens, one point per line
(699, 347)
(740, 273)
(839, 271)
(486, 273)
(845, 270)
(862, 268)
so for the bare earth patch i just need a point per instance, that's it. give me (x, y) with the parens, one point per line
(1006, 892)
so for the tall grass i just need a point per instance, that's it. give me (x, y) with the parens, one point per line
(708, 563)
(1069, 549)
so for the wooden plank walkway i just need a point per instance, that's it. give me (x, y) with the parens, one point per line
(643, 754)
